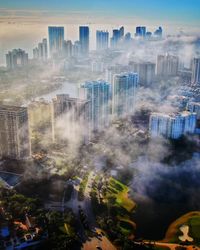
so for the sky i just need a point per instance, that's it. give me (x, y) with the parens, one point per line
(185, 11)
(23, 23)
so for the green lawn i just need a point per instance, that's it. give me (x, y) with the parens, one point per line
(119, 193)
(194, 224)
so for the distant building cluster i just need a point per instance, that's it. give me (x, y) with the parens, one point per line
(65, 117)
(99, 101)
(16, 58)
(141, 32)
(57, 47)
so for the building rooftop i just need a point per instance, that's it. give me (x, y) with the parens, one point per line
(8, 108)
(90, 84)
(195, 103)
(172, 115)
(66, 97)
(125, 74)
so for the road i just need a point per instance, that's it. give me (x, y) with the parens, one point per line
(171, 246)
(74, 203)
(104, 243)
(86, 204)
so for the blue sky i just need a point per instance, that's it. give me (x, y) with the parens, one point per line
(186, 11)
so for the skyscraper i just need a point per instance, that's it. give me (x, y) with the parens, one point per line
(56, 39)
(44, 49)
(124, 91)
(172, 125)
(148, 35)
(127, 37)
(196, 71)
(158, 32)
(98, 93)
(167, 65)
(140, 31)
(118, 35)
(14, 132)
(114, 40)
(121, 32)
(67, 48)
(102, 39)
(69, 118)
(145, 70)
(36, 53)
(16, 58)
(41, 52)
(84, 39)
(76, 49)
(115, 70)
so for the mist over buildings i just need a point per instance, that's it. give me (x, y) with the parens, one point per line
(104, 128)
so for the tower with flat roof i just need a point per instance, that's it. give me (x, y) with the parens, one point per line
(14, 132)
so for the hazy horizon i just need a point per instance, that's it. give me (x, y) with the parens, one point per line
(24, 23)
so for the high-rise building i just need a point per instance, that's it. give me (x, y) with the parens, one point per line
(127, 37)
(44, 50)
(115, 70)
(167, 65)
(84, 39)
(148, 35)
(102, 39)
(114, 40)
(118, 35)
(140, 31)
(35, 53)
(68, 48)
(69, 118)
(76, 49)
(16, 58)
(158, 32)
(14, 132)
(196, 71)
(97, 66)
(98, 93)
(172, 125)
(56, 39)
(124, 91)
(145, 70)
(121, 32)
(41, 52)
